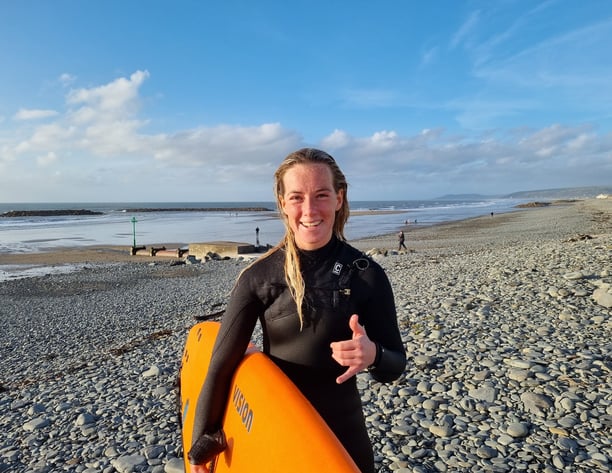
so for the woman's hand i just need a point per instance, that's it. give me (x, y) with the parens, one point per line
(356, 354)
(198, 468)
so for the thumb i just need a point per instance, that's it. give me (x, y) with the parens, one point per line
(356, 328)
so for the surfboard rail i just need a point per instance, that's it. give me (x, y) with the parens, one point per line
(268, 423)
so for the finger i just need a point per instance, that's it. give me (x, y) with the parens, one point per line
(198, 468)
(352, 354)
(356, 328)
(344, 357)
(348, 374)
(345, 349)
(345, 345)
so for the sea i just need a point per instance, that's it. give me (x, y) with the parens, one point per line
(181, 223)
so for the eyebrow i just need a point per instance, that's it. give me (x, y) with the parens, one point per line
(321, 189)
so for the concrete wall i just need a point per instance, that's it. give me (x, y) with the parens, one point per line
(222, 248)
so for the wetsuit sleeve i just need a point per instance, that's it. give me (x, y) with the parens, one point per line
(234, 335)
(379, 318)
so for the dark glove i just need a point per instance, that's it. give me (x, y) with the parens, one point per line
(388, 366)
(207, 447)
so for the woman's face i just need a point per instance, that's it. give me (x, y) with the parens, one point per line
(310, 203)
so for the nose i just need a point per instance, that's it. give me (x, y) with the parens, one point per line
(309, 205)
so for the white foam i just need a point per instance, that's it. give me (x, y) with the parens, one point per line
(10, 272)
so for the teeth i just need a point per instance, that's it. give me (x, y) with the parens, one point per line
(312, 224)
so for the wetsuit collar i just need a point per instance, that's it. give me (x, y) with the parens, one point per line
(320, 254)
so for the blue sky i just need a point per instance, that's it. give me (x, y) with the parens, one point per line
(200, 101)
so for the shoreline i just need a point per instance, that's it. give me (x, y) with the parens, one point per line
(418, 237)
(101, 253)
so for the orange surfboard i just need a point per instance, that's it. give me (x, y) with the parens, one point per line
(269, 425)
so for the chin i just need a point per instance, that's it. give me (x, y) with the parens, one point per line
(314, 242)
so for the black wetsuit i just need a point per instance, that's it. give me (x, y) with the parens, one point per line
(340, 282)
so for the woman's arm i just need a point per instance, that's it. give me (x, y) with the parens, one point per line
(377, 344)
(380, 320)
(232, 340)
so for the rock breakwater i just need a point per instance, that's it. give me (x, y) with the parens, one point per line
(48, 213)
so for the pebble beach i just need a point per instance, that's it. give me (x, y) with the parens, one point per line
(506, 320)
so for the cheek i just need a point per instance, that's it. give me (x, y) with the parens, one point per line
(291, 213)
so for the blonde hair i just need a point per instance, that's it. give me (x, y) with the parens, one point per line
(292, 268)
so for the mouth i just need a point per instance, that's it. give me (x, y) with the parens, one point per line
(311, 224)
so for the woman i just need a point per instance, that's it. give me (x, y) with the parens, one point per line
(327, 313)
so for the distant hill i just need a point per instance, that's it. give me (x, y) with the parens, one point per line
(465, 197)
(564, 193)
(561, 193)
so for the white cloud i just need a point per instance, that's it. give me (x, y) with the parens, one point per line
(582, 141)
(33, 114)
(465, 29)
(47, 159)
(338, 139)
(66, 79)
(99, 120)
(53, 135)
(218, 148)
(114, 99)
(99, 149)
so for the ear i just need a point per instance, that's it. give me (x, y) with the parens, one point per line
(340, 199)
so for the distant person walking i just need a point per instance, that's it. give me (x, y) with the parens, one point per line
(401, 239)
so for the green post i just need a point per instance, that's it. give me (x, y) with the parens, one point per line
(134, 229)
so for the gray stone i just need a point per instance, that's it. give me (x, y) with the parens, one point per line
(85, 418)
(516, 363)
(36, 424)
(151, 372)
(485, 393)
(128, 463)
(568, 421)
(518, 429)
(558, 462)
(154, 451)
(518, 374)
(603, 297)
(486, 452)
(441, 430)
(536, 403)
(175, 465)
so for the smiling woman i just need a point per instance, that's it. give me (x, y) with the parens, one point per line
(327, 313)
(309, 203)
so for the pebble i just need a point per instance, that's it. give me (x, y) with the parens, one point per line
(517, 430)
(441, 430)
(508, 337)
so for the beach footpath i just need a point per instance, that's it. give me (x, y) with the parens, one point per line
(506, 321)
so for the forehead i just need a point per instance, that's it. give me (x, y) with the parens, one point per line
(302, 176)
